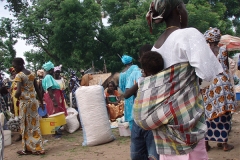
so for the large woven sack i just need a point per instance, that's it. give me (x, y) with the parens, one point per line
(72, 122)
(93, 115)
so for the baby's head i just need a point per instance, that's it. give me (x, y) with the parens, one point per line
(152, 63)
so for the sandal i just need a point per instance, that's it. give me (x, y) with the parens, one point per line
(38, 153)
(23, 153)
(228, 147)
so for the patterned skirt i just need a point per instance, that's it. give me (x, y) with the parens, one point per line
(219, 128)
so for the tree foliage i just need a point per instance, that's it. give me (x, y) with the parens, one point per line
(35, 59)
(8, 35)
(71, 32)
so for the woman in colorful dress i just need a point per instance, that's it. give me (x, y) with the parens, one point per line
(53, 95)
(28, 106)
(60, 80)
(219, 97)
(13, 89)
(112, 95)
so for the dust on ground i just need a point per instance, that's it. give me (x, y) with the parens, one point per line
(69, 147)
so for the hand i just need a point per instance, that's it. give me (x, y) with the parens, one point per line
(42, 106)
(55, 104)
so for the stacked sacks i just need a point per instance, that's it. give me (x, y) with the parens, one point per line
(93, 115)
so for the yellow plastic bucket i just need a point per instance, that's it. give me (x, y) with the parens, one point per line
(60, 118)
(47, 126)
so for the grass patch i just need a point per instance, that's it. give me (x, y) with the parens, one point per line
(69, 138)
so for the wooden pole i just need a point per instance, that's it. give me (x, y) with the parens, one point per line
(105, 67)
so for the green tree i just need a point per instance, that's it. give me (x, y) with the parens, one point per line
(71, 33)
(35, 59)
(8, 35)
(128, 30)
(203, 15)
(63, 29)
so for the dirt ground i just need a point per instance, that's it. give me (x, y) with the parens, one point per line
(69, 147)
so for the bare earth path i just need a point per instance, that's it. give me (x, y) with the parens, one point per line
(69, 148)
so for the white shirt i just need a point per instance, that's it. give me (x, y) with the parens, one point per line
(189, 45)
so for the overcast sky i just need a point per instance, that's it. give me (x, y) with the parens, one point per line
(21, 46)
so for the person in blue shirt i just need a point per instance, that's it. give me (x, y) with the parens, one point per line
(142, 142)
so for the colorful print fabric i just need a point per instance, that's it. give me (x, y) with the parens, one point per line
(219, 102)
(28, 115)
(219, 97)
(170, 104)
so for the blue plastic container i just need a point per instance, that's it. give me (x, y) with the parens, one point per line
(42, 112)
(238, 96)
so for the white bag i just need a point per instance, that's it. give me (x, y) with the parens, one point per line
(72, 122)
(93, 115)
(2, 119)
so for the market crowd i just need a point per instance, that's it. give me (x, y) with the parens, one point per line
(180, 98)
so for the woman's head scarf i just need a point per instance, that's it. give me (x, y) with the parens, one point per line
(126, 59)
(58, 68)
(47, 66)
(160, 9)
(73, 73)
(212, 35)
(11, 70)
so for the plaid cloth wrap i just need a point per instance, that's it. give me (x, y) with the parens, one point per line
(170, 104)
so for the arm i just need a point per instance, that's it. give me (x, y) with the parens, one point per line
(39, 94)
(107, 100)
(131, 91)
(50, 92)
(18, 92)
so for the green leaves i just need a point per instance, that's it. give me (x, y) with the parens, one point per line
(71, 32)
(8, 33)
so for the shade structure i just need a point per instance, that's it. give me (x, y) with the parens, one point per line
(232, 43)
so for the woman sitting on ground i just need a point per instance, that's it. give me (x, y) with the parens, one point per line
(112, 95)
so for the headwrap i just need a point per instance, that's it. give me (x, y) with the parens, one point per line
(47, 66)
(212, 35)
(160, 9)
(11, 70)
(126, 59)
(40, 72)
(57, 68)
(73, 72)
